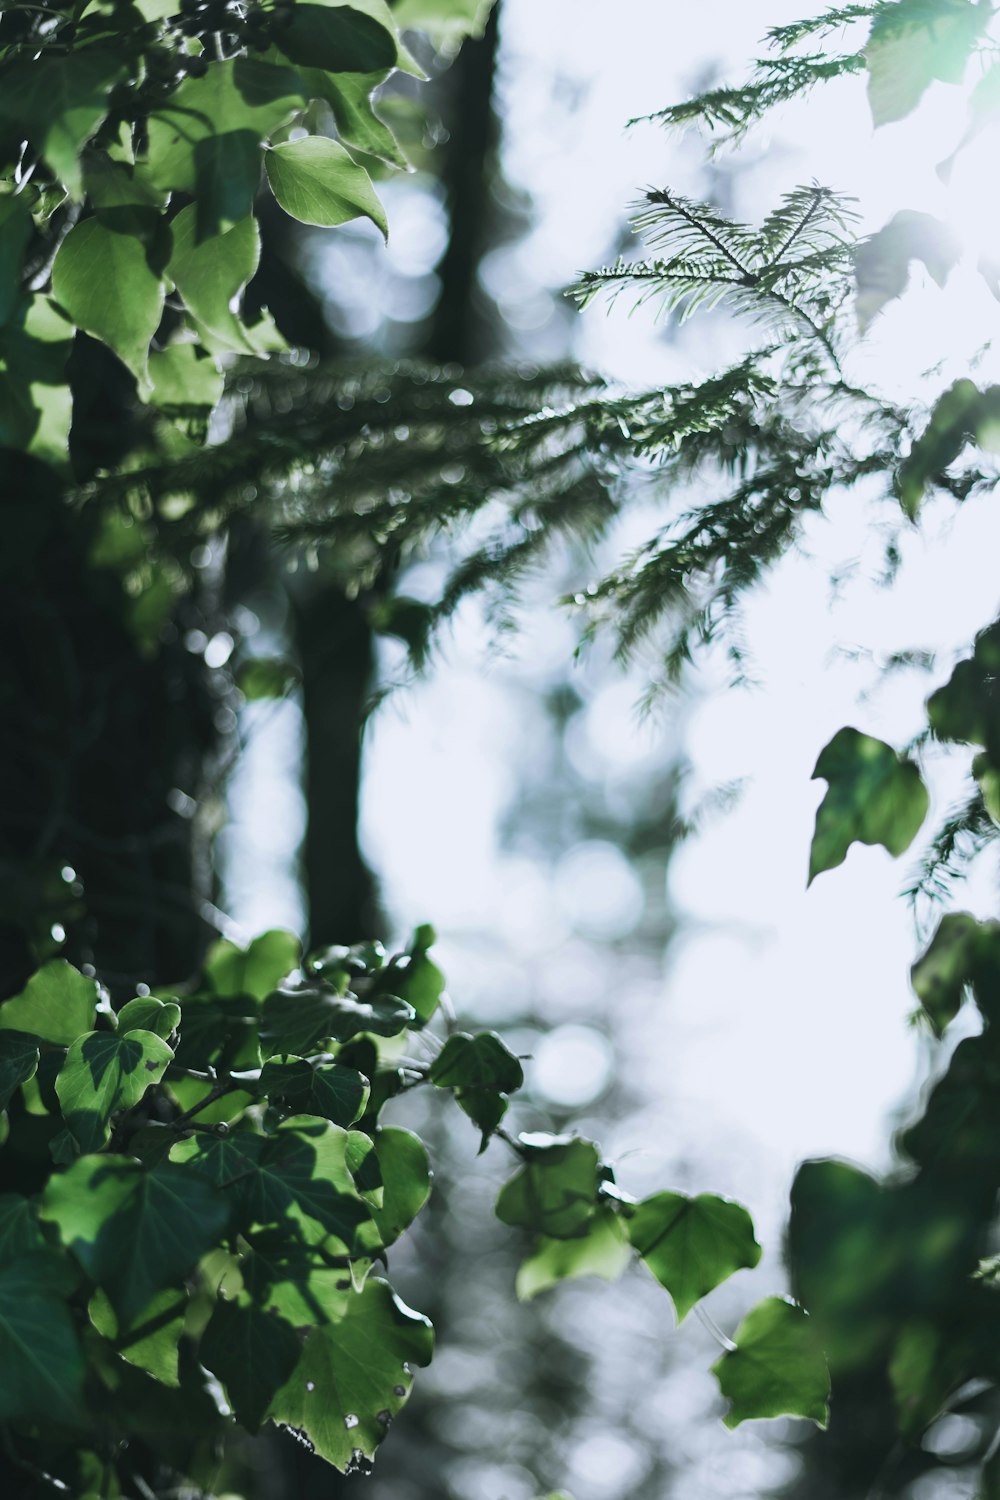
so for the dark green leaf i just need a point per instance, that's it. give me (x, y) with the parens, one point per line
(602, 1250)
(57, 1004)
(18, 1061)
(777, 1367)
(15, 232)
(480, 1061)
(298, 1021)
(354, 1375)
(338, 38)
(555, 1192)
(692, 1244)
(953, 423)
(318, 182)
(945, 968)
(417, 979)
(41, 1366)
(60, 101)
(334, 1092)
(253, 1353)
(134, 1232)
(19, 1231)
(874, 797)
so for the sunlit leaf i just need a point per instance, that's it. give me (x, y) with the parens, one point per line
(105, 1071)
(777, 1367)
(155, 1350)
(105, 282)
(255, 971)
(692, 1244)
(57, 1004)
(555, 1192)
(318, 182)
(602, 1250)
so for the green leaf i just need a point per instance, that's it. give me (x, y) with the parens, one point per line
(123, 199)
(416, 978)
(186, 385)
(912, 43)
(253, 1353)
(602, 1250)
(34, 348)
(19, 1231)
(291, 1278)
(15, 232)
(56, 1005)
(882, 262)
(942, 972)
(354, 1376)
(59, 102)
(265, 677)
(989, 1479)
(297, 1021)
(967, 707)
(149, 1014)
(349, 95)
(205, 139)
(555, 1192)
(406, 1182)
(476, 1062)
(318, 182)
(776, 1369)
(256, 971)
(300, 1170)
(211, 273)
(446, 22)
(134, 1232)
(104, 282)
(41, 1366)
(954, 422)
(333, 1092)
(158, 1350)
(107, 1071)
(874, 797)
(18, 1062)
(692, 1244)
(340, 38)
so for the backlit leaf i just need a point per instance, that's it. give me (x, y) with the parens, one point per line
(874, 797)
(318, 182)
(602, 1250)
(692, 1244)
(105, 283)
(777, 1368)
(57, 1004)
(555, 1192)
(105, 1071)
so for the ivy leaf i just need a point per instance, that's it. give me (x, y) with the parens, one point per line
(59, 102)
(157, 1351)
(317, 181)
(257, 970)
(416, 978)
(149, 1014)
(134, 1232)
(265, 677)
(874, 797)
(19, 1231)
(300, 1170)
(967, 707)
(954, 421)
(186, 385)
(913, 43)
(882, 262)
(105, 283)
(56, 1005)
(333, 1092)
(297, 1021)
(777, 1367)
(339, 38)
(602, 1250)
(18, 1062)
(354, 1376)
(253, 1353)
(105, 1071)
(692, 1244)
(476, 1062)
(942, 972)
(406, 1182)
(555, 1192)
(41, 1366)
(211, 273)
(289, 1277)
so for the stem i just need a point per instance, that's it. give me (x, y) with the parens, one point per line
(220, 1090)
(707, 1321)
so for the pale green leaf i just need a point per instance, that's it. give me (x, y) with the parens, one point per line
(106, 1071)
(212, 273)
(57, 1004)
(777, 1367)
(318, 182)
(104, 282)
(602, 1250)
(692, 1244)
